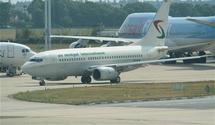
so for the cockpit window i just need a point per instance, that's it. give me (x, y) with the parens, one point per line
(36, 60)
(25, 50)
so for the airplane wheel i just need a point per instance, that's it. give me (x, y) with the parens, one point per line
(201, 53)
(86, 79)
(117, 80)
(42, 83)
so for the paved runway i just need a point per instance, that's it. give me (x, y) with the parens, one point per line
(195, 103)
(175, 112)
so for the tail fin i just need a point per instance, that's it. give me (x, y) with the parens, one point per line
(158, 28)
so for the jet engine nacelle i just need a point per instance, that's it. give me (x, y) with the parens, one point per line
(105, 73)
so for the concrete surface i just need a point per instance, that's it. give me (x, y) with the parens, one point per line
(195, 103)
(176, 112)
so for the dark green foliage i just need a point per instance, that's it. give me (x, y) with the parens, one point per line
(70, 13)
(186, 9)
(76, 14)
(4, 14)
(36, 9)
(138, 7)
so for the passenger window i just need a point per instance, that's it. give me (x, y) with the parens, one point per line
(36, 60)
(23, 50)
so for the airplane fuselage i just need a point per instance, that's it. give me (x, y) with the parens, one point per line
(13, 55)
(58, 64)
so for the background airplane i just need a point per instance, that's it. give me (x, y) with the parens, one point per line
(185, 35)
(13, 56)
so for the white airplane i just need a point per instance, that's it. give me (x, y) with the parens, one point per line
(103, 63)
(13, 56)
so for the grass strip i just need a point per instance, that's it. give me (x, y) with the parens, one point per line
(118, 93)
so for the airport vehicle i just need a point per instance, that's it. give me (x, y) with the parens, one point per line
(13, 56)
(102, 63)
(185, 35)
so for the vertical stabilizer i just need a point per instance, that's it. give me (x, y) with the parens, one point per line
(158, 28)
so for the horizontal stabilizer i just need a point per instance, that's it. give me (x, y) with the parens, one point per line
(204, 22)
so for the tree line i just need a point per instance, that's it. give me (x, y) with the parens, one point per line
(69, 13)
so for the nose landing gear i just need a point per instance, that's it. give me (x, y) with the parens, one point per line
(117, 80)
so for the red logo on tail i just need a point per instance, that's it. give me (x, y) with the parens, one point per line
(159, 29)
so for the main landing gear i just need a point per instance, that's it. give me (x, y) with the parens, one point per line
(12, 71)
(42, 83)
(116, 80)
(86, 79)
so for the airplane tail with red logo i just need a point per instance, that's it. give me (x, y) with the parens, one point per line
(156, 34)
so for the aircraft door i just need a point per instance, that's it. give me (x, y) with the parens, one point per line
(10, 51)
(1, 55)
(2, 52)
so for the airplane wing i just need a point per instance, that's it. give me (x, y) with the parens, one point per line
(121, 66)
(101, 39)
(204, 22)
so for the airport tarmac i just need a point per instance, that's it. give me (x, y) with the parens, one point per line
(175, 112)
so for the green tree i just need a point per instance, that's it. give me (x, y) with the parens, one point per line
(139, 7)
(70, 13)
(4, 14)
(181, 10)
(204, 10)
(36, 9)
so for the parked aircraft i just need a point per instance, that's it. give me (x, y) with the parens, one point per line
(185, 35)
(102, 63)
(13, 56)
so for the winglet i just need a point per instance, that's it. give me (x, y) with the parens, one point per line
(158, 28)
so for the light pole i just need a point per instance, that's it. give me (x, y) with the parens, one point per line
(47, 24)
